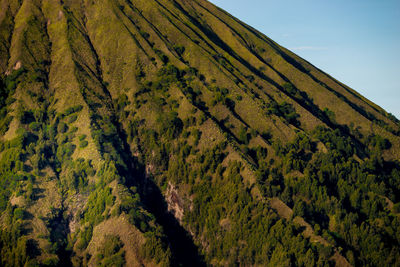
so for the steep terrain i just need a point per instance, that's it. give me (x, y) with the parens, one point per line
(169, 133)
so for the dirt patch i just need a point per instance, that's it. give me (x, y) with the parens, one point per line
(340, 261)
(60, 15)
(175, 202)
(280, 207)
(77, 203)
(17, 201)
(309, 232)
(17, 65)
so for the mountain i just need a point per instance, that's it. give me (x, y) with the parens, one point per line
(169, 133)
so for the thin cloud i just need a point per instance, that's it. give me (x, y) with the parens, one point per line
(309, 48)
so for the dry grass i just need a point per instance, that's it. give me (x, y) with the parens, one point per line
(129, 235)
(99, 45)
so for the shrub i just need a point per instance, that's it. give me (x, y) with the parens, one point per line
(284, 110)
(25, 117)
(83, 144)
(170, 124)
(196, 135)
(144, 34)
(379, 142)
(4, 124)
(72, 118)
(202, 118)
(51, 261)
(62, 127)
(396, 208)
(162, 56)
(243, 136)
(34, 126)
(289, 88)
(330, 114)
(19, 214)
(179, 49)
(72, 110)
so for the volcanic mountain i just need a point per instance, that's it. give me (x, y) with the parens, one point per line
(169, 133)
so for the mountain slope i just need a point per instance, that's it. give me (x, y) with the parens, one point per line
(168, 132)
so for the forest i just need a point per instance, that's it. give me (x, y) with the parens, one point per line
(169, 133)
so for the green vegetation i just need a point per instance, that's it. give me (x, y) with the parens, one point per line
(13, 245)
(210, 144)
(225, 202)
(343, 196)
(111, 252)
(179, 49)
(95, 213)
(7, 89)
(284, 110)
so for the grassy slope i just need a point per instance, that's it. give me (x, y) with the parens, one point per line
(49, 32)
(92, 52)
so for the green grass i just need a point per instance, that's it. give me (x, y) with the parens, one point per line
(114, 102)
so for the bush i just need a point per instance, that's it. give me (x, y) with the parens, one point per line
(72, 118)
(196, 135)
(51, 261)
(62, 127)
(83, 144)
(170, 124)
(162, 56)
(330, 114)
(202, 118)
(379, 142)
(144, 34)
(4, 124)
(65, 151)
(396, 208)
(25, 117)
(284, 110)
(243, 136)
(111, 245)
(72, 110)
(19, 214)
(34, 126)
(179, 49)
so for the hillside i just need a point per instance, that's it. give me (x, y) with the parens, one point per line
(169, 133)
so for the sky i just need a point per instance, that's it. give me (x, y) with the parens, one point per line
(355, 41)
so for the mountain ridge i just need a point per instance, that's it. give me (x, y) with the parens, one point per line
(185, 126)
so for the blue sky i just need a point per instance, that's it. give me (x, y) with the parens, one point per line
(355, 41)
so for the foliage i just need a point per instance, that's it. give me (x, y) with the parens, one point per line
(284, 110)
(342, 194)
(95, 213)
(243, 136)
(111, 253)
(155, 249)
(7, 89)
(72, 110)
(170, 125)
(179, 49)
(83, 143)
(211, 198)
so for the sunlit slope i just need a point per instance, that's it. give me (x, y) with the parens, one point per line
(168, 132)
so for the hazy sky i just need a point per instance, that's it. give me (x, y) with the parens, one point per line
(355, 41)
